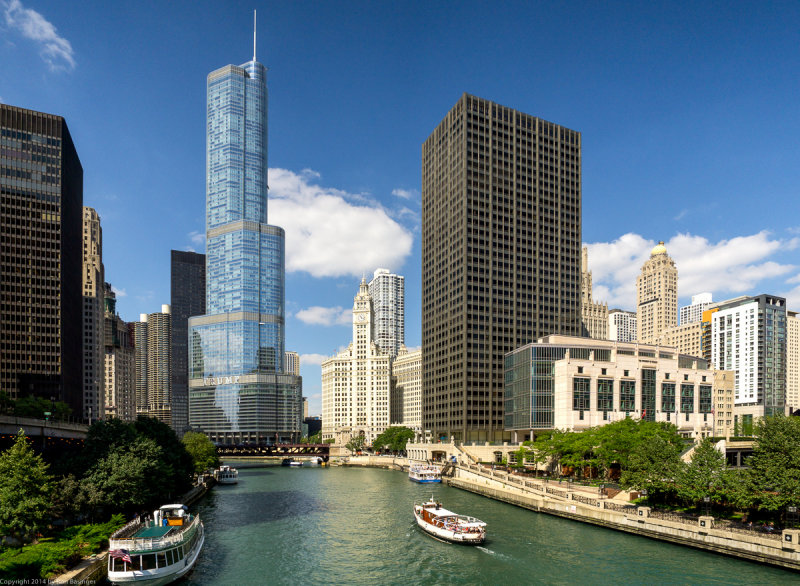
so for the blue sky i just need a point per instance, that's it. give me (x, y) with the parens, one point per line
(689, 115)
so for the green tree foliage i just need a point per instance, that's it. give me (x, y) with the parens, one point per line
(773, 478)
(179, 462)
(202, 450)
(356, 444)
(38, 406)
(705, 475)
(25, 490)
(393, 439)
(653, 465)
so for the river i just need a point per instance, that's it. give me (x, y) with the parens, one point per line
(355, 526)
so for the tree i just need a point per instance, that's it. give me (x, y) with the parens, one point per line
(25, 490)
(773, 478)
(393, 439)
(705, 474)
(202, 450)
(356, 443)
(654, 465)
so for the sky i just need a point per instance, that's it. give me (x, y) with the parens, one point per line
(689, 115)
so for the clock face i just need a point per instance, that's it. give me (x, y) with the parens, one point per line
(361, 317)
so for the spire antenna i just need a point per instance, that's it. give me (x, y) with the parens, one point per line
(254, 35)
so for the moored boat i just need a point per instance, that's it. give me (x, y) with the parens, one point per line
(158, 550)
(424, 473)
(448, 526)
(226, 475)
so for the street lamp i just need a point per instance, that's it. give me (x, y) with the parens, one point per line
(643, 493)
(707, 505)
(791, 517)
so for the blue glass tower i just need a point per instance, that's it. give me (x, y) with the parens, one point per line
(237, 389)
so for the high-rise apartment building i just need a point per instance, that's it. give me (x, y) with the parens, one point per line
(187, 298)
(656, 296)
(291, 365)
(237, 388)
(388, 293)
(748, 336)
(356, 382)
(621, 325)
(694, 312)
(41, 209)
(594, 315)
(501, 253)
(792, 360)
(120, 363)
(159, 353)
(93, 317)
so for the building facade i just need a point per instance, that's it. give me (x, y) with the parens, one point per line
(120, 363)
(238, 390)
(724, 383)
(41, 217)
(356, 382)
(594, 316)
(792, 360)
(406, 393)
(694, 312)
(139, 332)
(570, 383)
(187, 298)
(388, 293)
(656, 296)
(621, 325)
(291, 365)
(501, 253)
(748, 337)
(159, 362)
(685, 338)
(93, 278)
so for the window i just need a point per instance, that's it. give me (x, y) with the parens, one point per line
(627, 395)
(687, 399)
(581, 395)
(605, 395)
(667, 398)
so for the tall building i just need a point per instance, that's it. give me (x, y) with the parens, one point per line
(748, 336)
(792, 360)
(41, 209)
(159, 377)
(656, 296)
(388, 293)
(356, 382)
(501, 238)
(187, 298)
(685, 338)
(120, 363)
(139, 332)
(694, 312)
(570, 383)
(291, 365)
(237, 388)
(594, 316)
(93, 317)
(621, 325)
(406, 393)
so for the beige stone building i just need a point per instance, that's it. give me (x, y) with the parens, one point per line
(792, 360)
(579, 383)
(406, 394)
(93, 281)
(724, 384)
(594, 315)
(656, 296)
(356, 382)
(686, 338)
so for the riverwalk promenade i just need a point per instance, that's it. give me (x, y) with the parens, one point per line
(588, 505)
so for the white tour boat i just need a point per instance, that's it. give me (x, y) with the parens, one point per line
(156, 551)
(448, 526)
(226, 475)
(424, 473)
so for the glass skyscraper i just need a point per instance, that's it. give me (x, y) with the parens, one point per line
(237, 388)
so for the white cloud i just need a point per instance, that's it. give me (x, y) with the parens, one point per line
(731, 266)
(198, 238)
(325, 316)
(406, 193)
(55, 50)
(312, 359)
(795, 279)
(327, 234)
(120, 293)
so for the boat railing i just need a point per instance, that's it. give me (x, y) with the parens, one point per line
(117, 541)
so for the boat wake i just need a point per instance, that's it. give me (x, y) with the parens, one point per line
(494, 553)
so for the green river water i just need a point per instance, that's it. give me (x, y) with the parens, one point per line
(356, 526)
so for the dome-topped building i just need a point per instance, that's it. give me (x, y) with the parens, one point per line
(656, 296)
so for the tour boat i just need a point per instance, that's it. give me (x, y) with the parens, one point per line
(448, 526)
(156, 551)
(226, 475)
(424, 473)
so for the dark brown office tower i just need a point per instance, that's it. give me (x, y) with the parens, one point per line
(41, 246)
(501, 257)
(188, 298)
